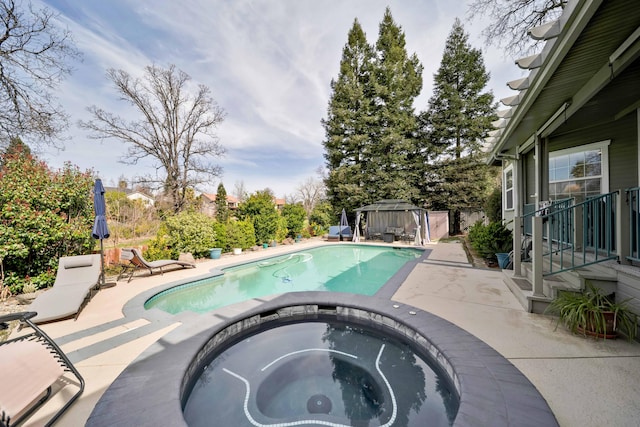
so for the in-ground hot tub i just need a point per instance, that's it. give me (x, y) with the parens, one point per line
(162, 384)
(320, 371)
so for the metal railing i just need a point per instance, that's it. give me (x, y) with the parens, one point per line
(633, 200)
(565, 251)
(561, 243)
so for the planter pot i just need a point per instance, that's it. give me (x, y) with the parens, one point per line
(237, 251)
(609, 333)
(215, 253)
(273, 244)
(265, 245)
(503, 259)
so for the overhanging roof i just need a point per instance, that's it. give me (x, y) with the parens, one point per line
(585, 71)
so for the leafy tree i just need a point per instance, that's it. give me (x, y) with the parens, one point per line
(510, 20)
(177, 128)
(260, 209)
(458, 119)
(222, 206)
(294, 216)
(36, 56)
(321, 218)
(44, 214)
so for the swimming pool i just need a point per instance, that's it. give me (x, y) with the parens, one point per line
(356, 269)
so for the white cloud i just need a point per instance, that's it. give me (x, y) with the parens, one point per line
(268, 63)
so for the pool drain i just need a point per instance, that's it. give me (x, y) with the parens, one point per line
(319, 404)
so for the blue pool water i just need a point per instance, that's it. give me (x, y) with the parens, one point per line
(337, 268)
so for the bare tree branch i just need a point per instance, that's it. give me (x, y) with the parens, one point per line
(35, 56)
(510, 20)
(176, 128)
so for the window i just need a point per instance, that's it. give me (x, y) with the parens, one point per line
(579, 172)
(507, 184)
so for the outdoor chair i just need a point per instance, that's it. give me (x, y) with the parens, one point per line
(32, 369)
(77, 279)
(336, 232)
(135, 261)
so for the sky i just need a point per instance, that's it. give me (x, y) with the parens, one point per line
(268, 63)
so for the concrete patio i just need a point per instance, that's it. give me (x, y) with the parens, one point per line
(585, 382)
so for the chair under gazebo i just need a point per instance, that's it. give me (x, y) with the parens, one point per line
(393, 220)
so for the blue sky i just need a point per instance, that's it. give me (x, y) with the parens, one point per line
(268, 63)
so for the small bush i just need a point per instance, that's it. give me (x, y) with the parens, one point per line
(490, 239)
(240, 234)
(184, 232)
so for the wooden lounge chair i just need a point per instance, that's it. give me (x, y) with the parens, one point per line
(136, 261)
(32, 369)
(77, 279)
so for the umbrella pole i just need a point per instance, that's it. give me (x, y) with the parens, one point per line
(102, 264)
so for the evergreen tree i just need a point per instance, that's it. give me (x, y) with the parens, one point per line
(222, 206)
(347, 142)
(398, 81)
(371, 126)
(458, 119)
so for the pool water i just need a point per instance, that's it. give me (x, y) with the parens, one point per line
(320, 373)
(337, 268)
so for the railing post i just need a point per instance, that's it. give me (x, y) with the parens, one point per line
(620, 248)
(517, 246)
(537, 256)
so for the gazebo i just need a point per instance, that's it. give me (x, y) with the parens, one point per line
(393, 219)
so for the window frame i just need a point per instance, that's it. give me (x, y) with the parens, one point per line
(603, 146)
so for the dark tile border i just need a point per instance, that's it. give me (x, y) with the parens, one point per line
(493, 392)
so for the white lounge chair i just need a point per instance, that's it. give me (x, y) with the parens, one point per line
(76, 279)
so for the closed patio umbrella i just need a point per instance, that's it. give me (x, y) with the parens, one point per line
(344, 222)
(100, 228)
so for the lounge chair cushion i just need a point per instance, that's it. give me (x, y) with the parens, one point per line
(59, 302)
(25, 366)
(77, 261)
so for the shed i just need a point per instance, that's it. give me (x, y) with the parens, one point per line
(393, 219)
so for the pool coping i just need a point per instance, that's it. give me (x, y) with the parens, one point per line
(493, 392)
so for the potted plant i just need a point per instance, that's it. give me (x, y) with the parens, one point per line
(591, 312)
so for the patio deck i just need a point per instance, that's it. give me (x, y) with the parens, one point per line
(585, 382)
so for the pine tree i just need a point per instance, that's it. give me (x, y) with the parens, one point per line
(458, 119)
(347, 142)
(371, 126)
(398, 81)
(222, 206)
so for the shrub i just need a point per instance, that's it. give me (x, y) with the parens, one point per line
(240, 234)
(185, 232)
(295, 216)
(44, 215)
(261, 211)
(490, 239)
(493, 205)
(220, 231)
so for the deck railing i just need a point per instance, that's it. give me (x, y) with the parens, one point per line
(561, 243)
(633, 199)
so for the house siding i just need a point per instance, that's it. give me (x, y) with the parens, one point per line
(623, 150)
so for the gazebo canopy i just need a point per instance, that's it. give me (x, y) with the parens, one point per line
(394, 216)
(389, 205)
